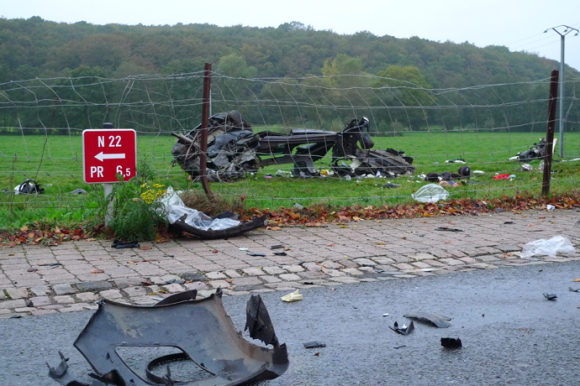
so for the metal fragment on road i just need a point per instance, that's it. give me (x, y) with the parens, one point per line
(551, 296)
(314, 344)
(437, 320)
(200, 328)
(403, 330)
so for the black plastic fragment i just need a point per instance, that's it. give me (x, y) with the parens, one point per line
(279, 246)
(281, 253)
(314, 344)
(403, 330)
(551, 296)
(509, 222)
(258, 321)
(255, 254)
(120, 245)
(451, 343)
(199, 328)
(573, 290)
(446, 229)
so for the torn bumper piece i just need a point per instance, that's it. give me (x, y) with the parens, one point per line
(201, 329)
(210, 234)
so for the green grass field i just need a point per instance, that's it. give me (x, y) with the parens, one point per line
(59, 170)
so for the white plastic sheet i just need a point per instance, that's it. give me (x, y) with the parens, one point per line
(548, 247)
(430, 193)
(175, 209)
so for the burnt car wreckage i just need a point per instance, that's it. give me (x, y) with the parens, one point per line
(235, 150)
(199, 328)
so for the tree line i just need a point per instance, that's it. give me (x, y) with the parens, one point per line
(291, 75)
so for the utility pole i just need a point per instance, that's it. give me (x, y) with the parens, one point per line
(566, 31)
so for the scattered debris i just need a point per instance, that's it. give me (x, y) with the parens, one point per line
(280, 253)
(451, 343)
(28, 187)
(292, 297)
(385, 315)
(404, 329)
(279, 246)
(551, 296)
(548, 247)
(509, 222)
(447, 229)
(526, 168)
(390, 185)
(216, 349)
(121, 245)
(234, 151)
(398, 347)
(243, 249)
(314, 344)
(536, 152)
(79, 191)
(255, 254)
(437, 320)
(49, 264)
(430, 193)
(463, 172)
(573, 290)
(550, 207)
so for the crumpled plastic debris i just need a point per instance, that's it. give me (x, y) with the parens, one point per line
(502, 177)
(430, 193)
(550, 207)
(175, 209)
(548, 247)
(526, 168)
(292, 297)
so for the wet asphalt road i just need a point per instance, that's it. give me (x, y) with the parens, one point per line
(511, 334)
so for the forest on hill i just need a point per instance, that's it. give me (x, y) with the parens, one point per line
(301, 56)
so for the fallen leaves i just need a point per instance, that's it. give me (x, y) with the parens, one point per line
(318, 214)
(144, 248)
(97, 271)
(44, 236)
(577, 280)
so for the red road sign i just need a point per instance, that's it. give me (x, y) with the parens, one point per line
(107, 153)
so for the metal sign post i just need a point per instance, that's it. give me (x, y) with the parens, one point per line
(107, 154)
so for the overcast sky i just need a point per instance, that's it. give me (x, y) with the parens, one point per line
(516, 24)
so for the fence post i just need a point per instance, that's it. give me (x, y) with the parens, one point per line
(550, 132)
(204, 128)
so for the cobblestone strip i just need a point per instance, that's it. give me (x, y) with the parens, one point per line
(75, 276)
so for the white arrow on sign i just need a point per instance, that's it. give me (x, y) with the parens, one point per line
(102, 156)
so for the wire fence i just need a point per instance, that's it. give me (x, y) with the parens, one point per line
(41, 121)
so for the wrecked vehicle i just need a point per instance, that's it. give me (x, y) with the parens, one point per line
(199, 329)
(536, 152)
(235, 150)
